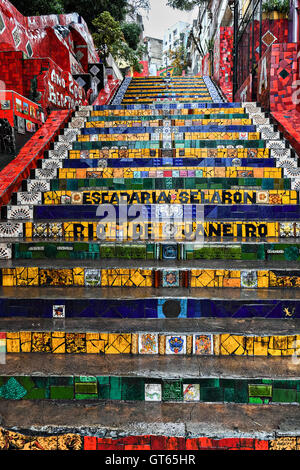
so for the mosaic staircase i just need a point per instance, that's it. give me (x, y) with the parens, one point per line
(100, 316)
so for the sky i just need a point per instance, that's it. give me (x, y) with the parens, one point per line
(161, 17)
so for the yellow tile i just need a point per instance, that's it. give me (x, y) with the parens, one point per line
(58, 345)
(94, 345)
(12, 345)
(118, 344)
(25, 341)
(261, 347)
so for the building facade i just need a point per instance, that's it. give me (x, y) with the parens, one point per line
(154, 54)
(173, 37)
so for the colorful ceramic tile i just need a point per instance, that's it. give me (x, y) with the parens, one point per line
(191, 392)
(170, 278)
(92, 277)
(59, 311)
(175, 344)
(249, 279)
(148, 343)
(153, 392)
(202, 344)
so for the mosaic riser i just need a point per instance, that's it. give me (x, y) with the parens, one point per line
(175, 153)
(12, 440)
(172, 130)
(196, 140)
(184, 98)
(139, 277)
(189, 196)
(190, 132)
(215, 95)
(148, 308)
(153, 213)
(77, 167)
(186, 390)
(198, 344)
(200, 184)
(240, 164)
(178, 95)
(250, 107)
(208, 174)
(164, 112)
(39, 250)
(177, 120)
(156, 231)
(117, 99)
(145, 143)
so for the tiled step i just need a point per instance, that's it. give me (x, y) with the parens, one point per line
(120, 152)
(184, 390)
(209, 142)
(231, 174)
(83, 230)
(80, 302)
(150, 184)
(37, 249)
(156, 196)
(195, 347)
(194, 104)
(188, 119)
(188, 163)
(164, 129)
(186, 213)
(139, 274)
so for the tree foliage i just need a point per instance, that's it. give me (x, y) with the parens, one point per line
(109, 39)
(131, 32)
(90, 9)
(184, 5)
(179, 59)
(39, 7)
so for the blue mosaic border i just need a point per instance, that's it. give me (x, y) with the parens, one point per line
(118, 98)
(215, 96)
(150, 308)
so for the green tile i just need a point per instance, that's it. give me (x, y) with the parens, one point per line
(103, 380)
(87, 396)
(37, 394)
(284, 395)
(13, 389)
(229, 395)
(256, 400)
(260, 390)
(61, 392)
(85, 388)
(172, 390)
(286, 384)
(59, 380)
(26, 382)
(133, 388)
(214, 383)
(210, 394)
(115, 388)
(227, 383)
(241, 391)
(90, 378)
